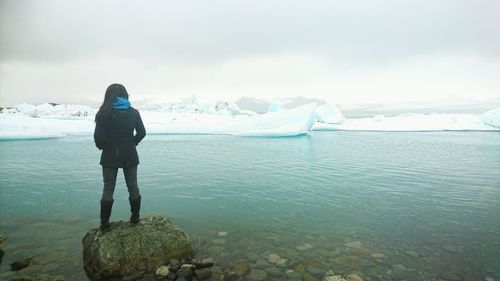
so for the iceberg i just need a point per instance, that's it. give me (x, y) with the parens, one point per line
(412, 122)
(328, 113)
(491, 117)
(30, 122)
(281, 123)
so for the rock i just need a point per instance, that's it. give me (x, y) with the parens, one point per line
(2, 239)
(489, 279)
(162, 271)
(354, 277)
(222, 233)
(125, 249)
(304, 247)
(378, 256)
(219, 241)
(451, 248)
(257, 275)
(399, 267)
(174, 265)
(413, 254)
(317, 272)
(18, 265)
(241, 269)
(354, 244)
(202, 274)
(334, 278)
(273, 258)
(308, 277)
(208, 262)
(41, 277)
(261, 264)
(293, 275)
(231, 276)
(1, 255)
(185, 272)
(282, 262)
(274, 271)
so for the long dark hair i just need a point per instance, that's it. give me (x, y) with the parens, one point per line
(113, 91)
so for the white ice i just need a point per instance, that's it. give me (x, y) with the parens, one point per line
(47, 121)
(492, 117)
(411, 123)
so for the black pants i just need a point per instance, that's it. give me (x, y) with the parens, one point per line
(109, 179)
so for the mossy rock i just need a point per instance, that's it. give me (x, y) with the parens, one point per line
(127, 249)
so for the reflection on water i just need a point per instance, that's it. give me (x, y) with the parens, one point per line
(386, 206)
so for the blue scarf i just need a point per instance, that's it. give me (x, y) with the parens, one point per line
(121, 103)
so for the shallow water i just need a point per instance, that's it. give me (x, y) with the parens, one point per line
(429, 202)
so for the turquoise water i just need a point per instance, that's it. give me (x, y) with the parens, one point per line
(429, 202)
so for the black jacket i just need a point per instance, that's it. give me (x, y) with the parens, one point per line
(115, 137)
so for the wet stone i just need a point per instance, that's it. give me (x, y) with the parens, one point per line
(261, 264)
(202, 274)
(18, 265)
(231, 276)
(317, 272)
(274, 271)
(241, 269)
(292, 275)
(413, 254)
(257, 275)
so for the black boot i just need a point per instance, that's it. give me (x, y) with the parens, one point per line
(106, 207)
(135, 207)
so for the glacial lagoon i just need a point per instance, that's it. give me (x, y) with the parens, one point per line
(382, 205)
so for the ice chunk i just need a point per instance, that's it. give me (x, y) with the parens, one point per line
(286, 122)
(328, 113)
(17, 126)
(491, 117)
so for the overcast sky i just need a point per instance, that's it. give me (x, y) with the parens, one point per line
(344, 51)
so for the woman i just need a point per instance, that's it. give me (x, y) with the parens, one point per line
(114, 135)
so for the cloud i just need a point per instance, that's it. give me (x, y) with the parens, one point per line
(349, 51)
(193, 31)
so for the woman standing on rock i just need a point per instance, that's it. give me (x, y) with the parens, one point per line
(115, 123)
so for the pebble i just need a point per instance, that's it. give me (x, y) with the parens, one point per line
(241, 269)
(257, 275)
(261, 264)
(273, 258)
(282, 262)
(399, 267)
(202, 274)
(489, 279)
(162, 271)
(354, 277)
(451, 248)
(274, 271)
(354, 244)
(293, 275)
(219, 241)
(315, 271)
(413, 254)
(304, 247)
(222, 233)
(334, 278)
(378, 256)
(230, 276)
(18, 265)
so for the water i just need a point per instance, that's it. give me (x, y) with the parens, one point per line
(429, 202)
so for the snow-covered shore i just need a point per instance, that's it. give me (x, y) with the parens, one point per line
(50, 121)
